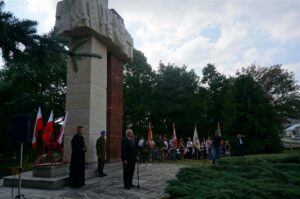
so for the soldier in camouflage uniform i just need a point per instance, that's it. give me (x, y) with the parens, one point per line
(101, 146)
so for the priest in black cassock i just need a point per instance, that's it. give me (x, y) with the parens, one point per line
(77, 165)
(128, 156)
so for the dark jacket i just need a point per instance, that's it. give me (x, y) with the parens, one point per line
(100, 146)
(128, 150)
(77, 164)
(216, 142)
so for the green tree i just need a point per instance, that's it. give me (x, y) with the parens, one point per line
(281, 88)
(220, 102)
(175, 97)
(34, 73)
(139, 79)
(255, 117)
(36, 78)
(241, 105)
(15, 34)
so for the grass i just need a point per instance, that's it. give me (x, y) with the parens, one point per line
(255, 176)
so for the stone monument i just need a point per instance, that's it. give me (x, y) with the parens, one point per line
(94, 93)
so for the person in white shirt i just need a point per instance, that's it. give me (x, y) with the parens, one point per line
(189, 146)
(165, 148)
(209, 148)
(172, 148)
(240, 143)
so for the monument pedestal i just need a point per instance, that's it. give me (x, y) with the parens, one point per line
(50, 171)
(55, 182)
(86, 97)
(95, 92)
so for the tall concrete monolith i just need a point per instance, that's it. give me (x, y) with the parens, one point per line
(94, 93)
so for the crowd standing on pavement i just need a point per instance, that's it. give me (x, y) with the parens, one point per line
(163, 148)
(159, 148)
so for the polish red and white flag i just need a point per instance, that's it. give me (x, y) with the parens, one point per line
(174, 137)
(37, 127)
(60, 136)
(48, 131)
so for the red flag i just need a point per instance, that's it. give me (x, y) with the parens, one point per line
(174, 137)
(59, 138)
(37, 127)
(150, 135)
(48, 131)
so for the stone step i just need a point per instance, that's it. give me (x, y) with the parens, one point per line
(30, 181)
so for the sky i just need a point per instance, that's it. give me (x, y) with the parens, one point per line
(228, 33)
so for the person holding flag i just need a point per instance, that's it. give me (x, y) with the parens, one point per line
(216, 146)
(37, 127)
(196, 143)
(150, 136)
(189, 146)
(174, 137)
(150, 143)
(173, 144)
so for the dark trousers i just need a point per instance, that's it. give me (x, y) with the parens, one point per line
(216, 154)
(77, 169)
(241, 149)
(101, 161)
(190, 153)
(173, 154)
(128, 171)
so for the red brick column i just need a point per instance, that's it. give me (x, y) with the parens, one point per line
(114, 107)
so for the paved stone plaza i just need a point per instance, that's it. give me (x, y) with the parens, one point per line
(153, 181)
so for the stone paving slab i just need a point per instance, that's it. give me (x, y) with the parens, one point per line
(153, 181)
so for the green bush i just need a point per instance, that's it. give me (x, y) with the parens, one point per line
(251, 177)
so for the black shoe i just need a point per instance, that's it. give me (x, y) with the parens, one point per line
(131, 186)
(102, 174)
(127, 187)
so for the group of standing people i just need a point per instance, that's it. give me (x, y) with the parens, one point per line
(163, 149)
(159, 149)
(77, 164)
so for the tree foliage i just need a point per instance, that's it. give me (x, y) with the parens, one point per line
(280, 87)
(138, 85)
(254, 116)
(33, 75)
(15, 34)
(174, 97)
(251, 103)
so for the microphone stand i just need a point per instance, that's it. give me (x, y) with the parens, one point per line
(138, 173)
(20, 171)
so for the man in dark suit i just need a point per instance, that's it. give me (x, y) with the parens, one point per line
(128, 156)
(240, 139)
(216, 146)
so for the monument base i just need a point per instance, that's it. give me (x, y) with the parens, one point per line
(49, 170)
(56, 182)
(30, 181)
